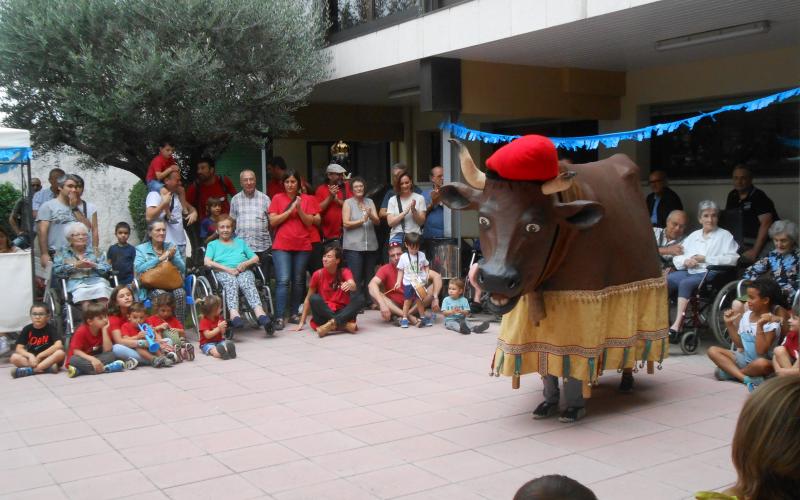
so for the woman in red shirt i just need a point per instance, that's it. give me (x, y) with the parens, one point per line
(290, 215)
(332, 296)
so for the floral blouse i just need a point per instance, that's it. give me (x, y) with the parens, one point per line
(782, 267)
(64, 267)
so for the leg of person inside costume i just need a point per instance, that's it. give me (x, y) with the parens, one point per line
(550, 391)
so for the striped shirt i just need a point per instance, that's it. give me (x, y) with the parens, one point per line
(252, 221)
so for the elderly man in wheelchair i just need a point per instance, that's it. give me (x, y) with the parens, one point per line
(82, 277)
(231, 269)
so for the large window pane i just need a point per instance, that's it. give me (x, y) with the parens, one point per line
(767, 140)
(353, 12)
(384, 8)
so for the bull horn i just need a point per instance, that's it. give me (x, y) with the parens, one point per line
(472, 174)
(560, 183)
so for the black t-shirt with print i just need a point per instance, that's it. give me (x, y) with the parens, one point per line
(35, 340)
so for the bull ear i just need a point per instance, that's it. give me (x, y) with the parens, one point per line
(581, 214)
(459, 196)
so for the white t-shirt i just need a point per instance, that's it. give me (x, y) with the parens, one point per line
(59, 215)
(414, 264)
(747, 332)
(410, 225)
(175, 232)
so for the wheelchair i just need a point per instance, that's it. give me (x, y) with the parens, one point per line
(706, 306)
(65, 315)
(204, 283)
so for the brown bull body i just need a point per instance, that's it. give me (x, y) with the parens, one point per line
(570, 270)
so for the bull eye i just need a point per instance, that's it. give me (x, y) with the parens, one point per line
(533, 228)
(483, 221)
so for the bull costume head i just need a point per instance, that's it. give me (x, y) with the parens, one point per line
(526, 214)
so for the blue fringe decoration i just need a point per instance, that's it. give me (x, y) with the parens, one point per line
(612, 140)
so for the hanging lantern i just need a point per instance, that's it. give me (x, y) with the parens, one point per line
(340, 152)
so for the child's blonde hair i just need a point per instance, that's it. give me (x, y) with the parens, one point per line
(209, 305)
(765, 449)
(458, 282)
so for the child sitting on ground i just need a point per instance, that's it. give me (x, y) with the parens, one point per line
(90, 348)
(132, 346)
(785, 359)
(412, 273)
(121, 254)
(168, 326)
(754, 334)
(208, 226)
(39, 348)
(455, 309)
(212, 330)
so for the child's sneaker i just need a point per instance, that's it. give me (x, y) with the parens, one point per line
(222, 350)
(427, 321)
(173, 358)
(115, 366)
(159, 362)
(572, 414)
(231, 347)
(480, 327)
(351, 327)
(752, 382)
(190, 351)
(463, 327)
(54, 368)
(131, 363)
(403, 322)
(182, 354)
(722, 375)
(72, 372)
(24, 371)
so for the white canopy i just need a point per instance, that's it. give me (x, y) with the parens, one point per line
(15, 147)
(14, 138)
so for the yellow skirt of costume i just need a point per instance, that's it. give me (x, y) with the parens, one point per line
(585, 332)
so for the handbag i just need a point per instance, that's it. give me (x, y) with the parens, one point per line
(164, 276)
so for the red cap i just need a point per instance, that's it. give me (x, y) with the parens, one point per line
(529, 158)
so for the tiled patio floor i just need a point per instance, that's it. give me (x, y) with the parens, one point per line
(383, 414)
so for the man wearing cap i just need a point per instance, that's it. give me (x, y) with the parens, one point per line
(331, 197)
(389, 299)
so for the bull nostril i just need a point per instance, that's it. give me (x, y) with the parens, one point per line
(512, 285)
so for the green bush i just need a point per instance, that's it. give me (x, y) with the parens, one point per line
(8, 196)
(136, 201)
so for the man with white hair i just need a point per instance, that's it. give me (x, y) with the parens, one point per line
(249, 208)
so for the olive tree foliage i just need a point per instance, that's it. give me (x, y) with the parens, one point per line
(110, 78)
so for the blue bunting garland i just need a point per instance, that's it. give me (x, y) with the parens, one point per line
(612, 140)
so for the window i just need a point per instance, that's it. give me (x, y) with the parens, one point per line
(767, 140)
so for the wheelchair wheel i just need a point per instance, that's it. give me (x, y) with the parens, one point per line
(722, 301)
(53, 301)
(690, 342)
(202, 289)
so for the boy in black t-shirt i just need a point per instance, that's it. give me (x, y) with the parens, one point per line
(121, 254)
(39, 348)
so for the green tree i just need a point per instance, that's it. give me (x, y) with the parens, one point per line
(8, 196)
(110, 78)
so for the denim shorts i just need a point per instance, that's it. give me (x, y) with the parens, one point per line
(207, 347)
(409, 293)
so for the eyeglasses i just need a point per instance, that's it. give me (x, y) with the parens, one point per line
(38, 314)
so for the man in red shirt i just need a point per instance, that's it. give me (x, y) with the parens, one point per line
(390, 300)
(277, 169)
(331, 197)
(209, 185)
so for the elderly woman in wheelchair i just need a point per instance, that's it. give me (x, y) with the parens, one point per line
(155, 252)
(81, 269)
(782, 264)
(229, 259)
(708, 246)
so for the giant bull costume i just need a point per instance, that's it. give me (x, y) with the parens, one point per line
(569, 260)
